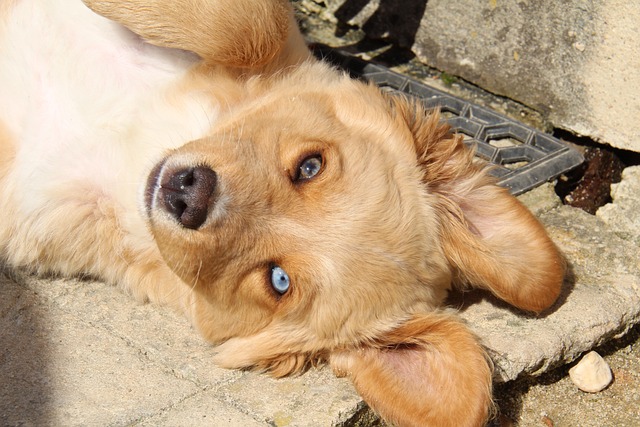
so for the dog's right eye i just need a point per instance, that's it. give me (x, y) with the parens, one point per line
(309, 167)
(280, 280)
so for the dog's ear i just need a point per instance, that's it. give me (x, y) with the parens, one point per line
(430, 371)
(490, 239)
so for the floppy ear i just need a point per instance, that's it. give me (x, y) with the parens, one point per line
(430, 371)
(490, 239)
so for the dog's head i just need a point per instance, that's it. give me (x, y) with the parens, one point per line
(322, 219)
(304, 209)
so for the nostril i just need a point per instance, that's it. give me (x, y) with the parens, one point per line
(188, 193)
(174, 203)
(182, 179)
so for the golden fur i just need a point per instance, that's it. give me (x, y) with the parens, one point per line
(398, 213)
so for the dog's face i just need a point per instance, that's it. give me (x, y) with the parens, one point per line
(321, 214)
(315, 225)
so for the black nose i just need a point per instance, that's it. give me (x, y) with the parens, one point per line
(188, 193)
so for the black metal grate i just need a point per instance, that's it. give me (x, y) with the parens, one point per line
(523, 157)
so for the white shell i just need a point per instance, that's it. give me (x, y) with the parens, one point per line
(592, 374)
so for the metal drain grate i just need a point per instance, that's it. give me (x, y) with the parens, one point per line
(523, 157)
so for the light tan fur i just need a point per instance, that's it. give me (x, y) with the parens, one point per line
(208, 28)
(399, 213)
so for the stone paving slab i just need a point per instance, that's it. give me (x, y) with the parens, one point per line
(202, 409)
(59, 369)
(83, 353)
(622, 214)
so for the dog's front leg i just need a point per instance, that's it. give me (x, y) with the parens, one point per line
(254, 34)
(150, 280)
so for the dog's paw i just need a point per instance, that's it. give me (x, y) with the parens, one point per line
(238, 33)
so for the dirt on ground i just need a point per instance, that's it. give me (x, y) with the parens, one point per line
(552, 400)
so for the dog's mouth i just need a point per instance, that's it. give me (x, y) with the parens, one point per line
(185, 193)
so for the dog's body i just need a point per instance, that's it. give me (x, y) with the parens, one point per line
(293, 214)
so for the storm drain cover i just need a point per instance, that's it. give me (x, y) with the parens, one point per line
(523, 157)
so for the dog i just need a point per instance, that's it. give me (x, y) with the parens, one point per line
(195, 154)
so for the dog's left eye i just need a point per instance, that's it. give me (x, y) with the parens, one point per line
(280, 280)
(309, 167)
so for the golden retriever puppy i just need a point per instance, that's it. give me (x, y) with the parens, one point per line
(195, 154)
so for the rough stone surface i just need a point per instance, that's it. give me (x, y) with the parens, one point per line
(577, 62)
(622, 214)
(83, 353)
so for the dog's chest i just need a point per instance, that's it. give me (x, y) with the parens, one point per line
(84, 100)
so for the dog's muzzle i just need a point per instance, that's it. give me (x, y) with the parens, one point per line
(185, 193)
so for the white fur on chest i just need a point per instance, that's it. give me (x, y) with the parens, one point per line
(84, 99)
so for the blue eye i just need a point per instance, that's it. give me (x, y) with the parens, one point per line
(309, 167)
(279, 280)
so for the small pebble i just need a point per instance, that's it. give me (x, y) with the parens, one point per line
(579, 46)
(592, 374)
